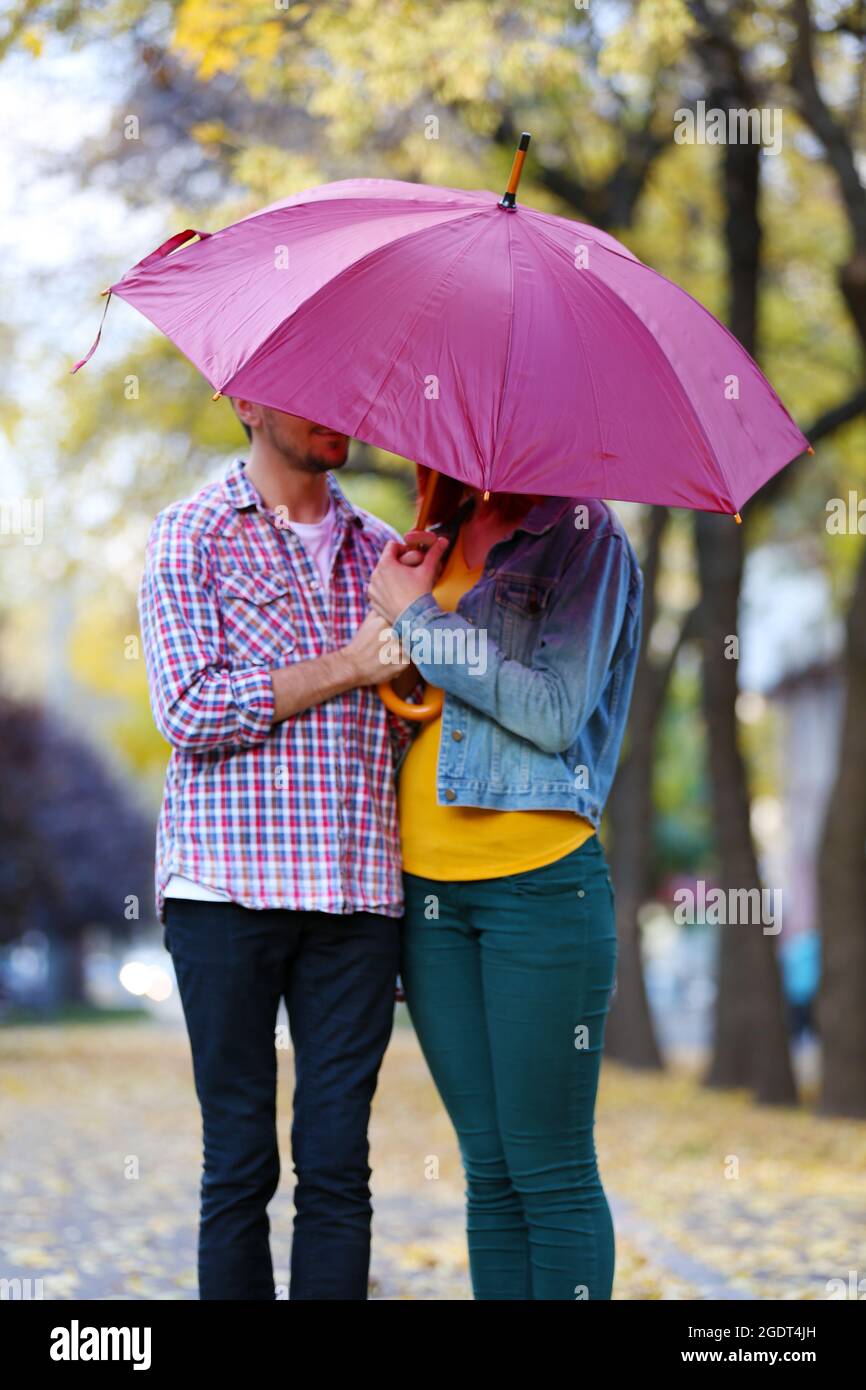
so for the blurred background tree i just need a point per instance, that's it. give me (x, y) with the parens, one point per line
(76, 854)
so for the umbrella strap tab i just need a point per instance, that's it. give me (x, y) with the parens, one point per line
(170, 245)
(95, 343)
(173, 242)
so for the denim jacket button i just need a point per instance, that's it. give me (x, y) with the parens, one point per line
(450, 794)
(457, 735)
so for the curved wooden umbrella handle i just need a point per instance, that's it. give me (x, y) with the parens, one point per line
(429, 709)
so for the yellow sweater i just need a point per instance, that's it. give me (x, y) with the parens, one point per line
(471, 842)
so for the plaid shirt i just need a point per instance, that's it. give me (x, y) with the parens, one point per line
(301, 814)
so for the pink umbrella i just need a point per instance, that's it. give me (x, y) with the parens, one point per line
(507, 347)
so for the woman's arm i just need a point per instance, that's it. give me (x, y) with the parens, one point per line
(548, 701)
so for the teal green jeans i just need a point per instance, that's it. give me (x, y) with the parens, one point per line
(508, 983)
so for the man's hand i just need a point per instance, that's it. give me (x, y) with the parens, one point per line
(368, 659)
(396, 582)
(372, 657)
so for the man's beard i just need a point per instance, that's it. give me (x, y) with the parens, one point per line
(303, 462)
(310, 464)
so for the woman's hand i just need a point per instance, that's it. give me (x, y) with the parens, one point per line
(396, 581)
(415, 547)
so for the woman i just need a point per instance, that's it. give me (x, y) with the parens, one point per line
(526, 612)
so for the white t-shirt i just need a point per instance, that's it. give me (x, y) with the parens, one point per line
(316, 538)
(180, 887)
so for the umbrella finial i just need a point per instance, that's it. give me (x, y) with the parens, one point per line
(509, 197)
(738, 519)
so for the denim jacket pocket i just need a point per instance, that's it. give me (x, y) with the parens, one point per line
(525, 594)
(521, 602)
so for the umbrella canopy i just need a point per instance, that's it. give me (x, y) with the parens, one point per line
(510, 348)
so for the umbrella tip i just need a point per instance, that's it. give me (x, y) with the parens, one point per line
(103, 293)
(810, 450)
(217, 395)
(738, 519)
(508, 201)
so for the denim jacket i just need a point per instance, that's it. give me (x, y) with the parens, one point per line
(537, 663)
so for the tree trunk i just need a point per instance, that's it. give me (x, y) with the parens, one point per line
(842, 893)
(841, 869)
(842, 863)
(629, 1034)
(751, 1041)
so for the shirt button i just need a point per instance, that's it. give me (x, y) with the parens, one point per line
(456, 735)
(450, 794)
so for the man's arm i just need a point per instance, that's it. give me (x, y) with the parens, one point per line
(199, 702)
(308, 683)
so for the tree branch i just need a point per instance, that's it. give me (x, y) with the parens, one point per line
(823, 123)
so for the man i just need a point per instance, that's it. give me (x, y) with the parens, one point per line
(278, 870)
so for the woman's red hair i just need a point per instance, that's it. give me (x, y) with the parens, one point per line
(450, 492)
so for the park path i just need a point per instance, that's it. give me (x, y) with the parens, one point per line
(712, 1197)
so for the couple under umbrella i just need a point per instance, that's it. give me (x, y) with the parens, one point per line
(330, 821)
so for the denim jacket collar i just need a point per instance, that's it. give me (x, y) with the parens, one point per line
(543, 515)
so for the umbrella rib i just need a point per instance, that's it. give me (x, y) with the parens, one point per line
(694, 414)
(733, 492)
(686, 410)
(328, 286)
(547, 241)
(400, 204)
(463, 251)
(507, 367)
(590, 233)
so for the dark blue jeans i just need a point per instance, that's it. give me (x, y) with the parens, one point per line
(337, 976)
